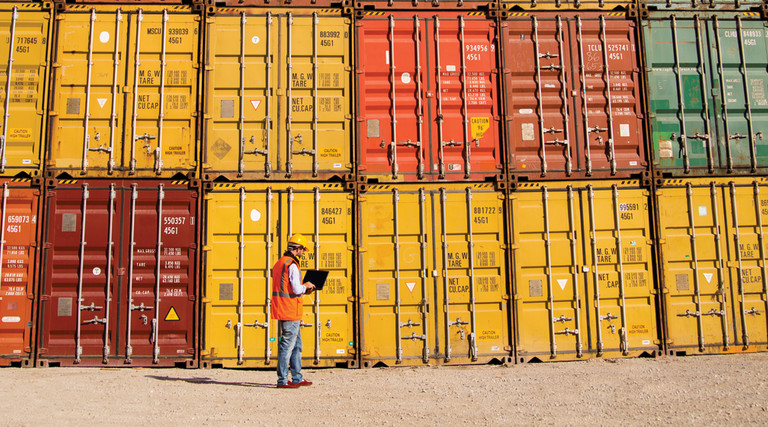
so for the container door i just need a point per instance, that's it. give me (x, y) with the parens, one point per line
(550, 287)
(430, 91)
(621, 292)
(739, 51)
(696, 289)
(323, 214)
(454, 235)
(308, 121)
(159, 299)
(24, 57)
(679, 84)
(747, 251)
(18, 245)
(79, 320)
(125, 92)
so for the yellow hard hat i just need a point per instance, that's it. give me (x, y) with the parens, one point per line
(298, 240)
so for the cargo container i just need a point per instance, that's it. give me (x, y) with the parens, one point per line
(703, 5)
(428, 98)
(707, 85)
(432, 275)
(339, 4)
(24, 52)
(119, 273)
(19, 251)
(247, 226)
(266, 115)
(584, 284)
(491, 6)
(573, 96)
(125, 92)
(713, 251)
(514, 6)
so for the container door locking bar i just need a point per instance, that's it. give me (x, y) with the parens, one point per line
(473, 352)
(268, 280)
(695, 255)
(137, 62)
(720, 272)
(159, 149)
(424, 274)
(595, 273)
(609, 102)
(564, 96)
(680, 100)
(396, 224)
(318, 326)
(548, 252)
(747, 103)
(737, 250)
(575, 276)
(7, 103)
(585, 107)
(723, 97)
(6, 194)
(158, 251)
(108, 290)
(394, 143)
(86, 135)
(622, 287)
(240, 270)
(446, 298)
(706, 138)
(131, 306)
(80, 306)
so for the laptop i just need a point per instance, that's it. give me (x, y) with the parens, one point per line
(317, 277)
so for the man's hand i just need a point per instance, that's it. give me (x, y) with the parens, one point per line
(310, 286)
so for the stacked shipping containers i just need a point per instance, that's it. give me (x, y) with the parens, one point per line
(581, 244)
(706, 70)
(119, 270)
(432, 277)
(277, 160)
(24, 53)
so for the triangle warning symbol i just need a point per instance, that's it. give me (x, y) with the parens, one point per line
(172, 316)
(410, 285)
(708, 276)
(255, 104)
(101, 101)
(562, 283)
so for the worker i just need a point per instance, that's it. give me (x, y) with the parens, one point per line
(287, 307)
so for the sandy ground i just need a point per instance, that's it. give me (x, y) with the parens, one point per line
(687, 390)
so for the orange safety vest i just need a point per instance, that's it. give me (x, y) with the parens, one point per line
(285, 304)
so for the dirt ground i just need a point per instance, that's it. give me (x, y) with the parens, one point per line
(686, 390)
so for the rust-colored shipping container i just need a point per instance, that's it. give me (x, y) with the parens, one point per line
(712, 244)
(19, 250)
(124, 88)
(577, 5)
(278, 101)
(486, 5)
(25, 30)
(573, 96)
(428, 96)
(339, 4)
(119, 273)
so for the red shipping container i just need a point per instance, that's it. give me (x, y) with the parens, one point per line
(19, 251)
(127, 251)
(489, 5)
(560, 91)
(428, 96)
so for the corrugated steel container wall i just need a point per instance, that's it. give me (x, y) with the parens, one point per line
(576, 5)
(428, 96)
(18, 266)
(715, 63)
(247, 229)
(125, 89)
(267, 117)
(282, 3)
(433, 276)
(703, 5)
(573, 104)
(128, 251)
(584, 285)
(24, 52)
(713, 264)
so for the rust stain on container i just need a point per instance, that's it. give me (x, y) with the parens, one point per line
(120, 274)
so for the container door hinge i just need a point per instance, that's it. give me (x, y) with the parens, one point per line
(192, 297)
(351, 299)
(45, 297)
(207, 248)
(507, 348)
(205, 300)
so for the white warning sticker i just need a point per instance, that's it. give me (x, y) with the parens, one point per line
(708, 277)
(104, 37)
(624, 129)
(702, 211)
(255, 215)
(410, 285)
(101, 101)
(450, 68)
(255, 104)
(340, 351)
(562, 283)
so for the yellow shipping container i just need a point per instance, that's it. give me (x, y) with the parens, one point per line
(125, 89)
(584, 285)
(278, 94)
(246, 231)
(713, 256)
(24, 36)
(433, 277)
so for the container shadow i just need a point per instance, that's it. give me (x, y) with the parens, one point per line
(204, 380)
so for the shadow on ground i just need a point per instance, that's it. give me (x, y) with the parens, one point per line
(202, 380)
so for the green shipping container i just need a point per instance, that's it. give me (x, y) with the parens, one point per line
(707, 92)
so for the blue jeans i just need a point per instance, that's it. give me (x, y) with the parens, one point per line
(289, 351)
